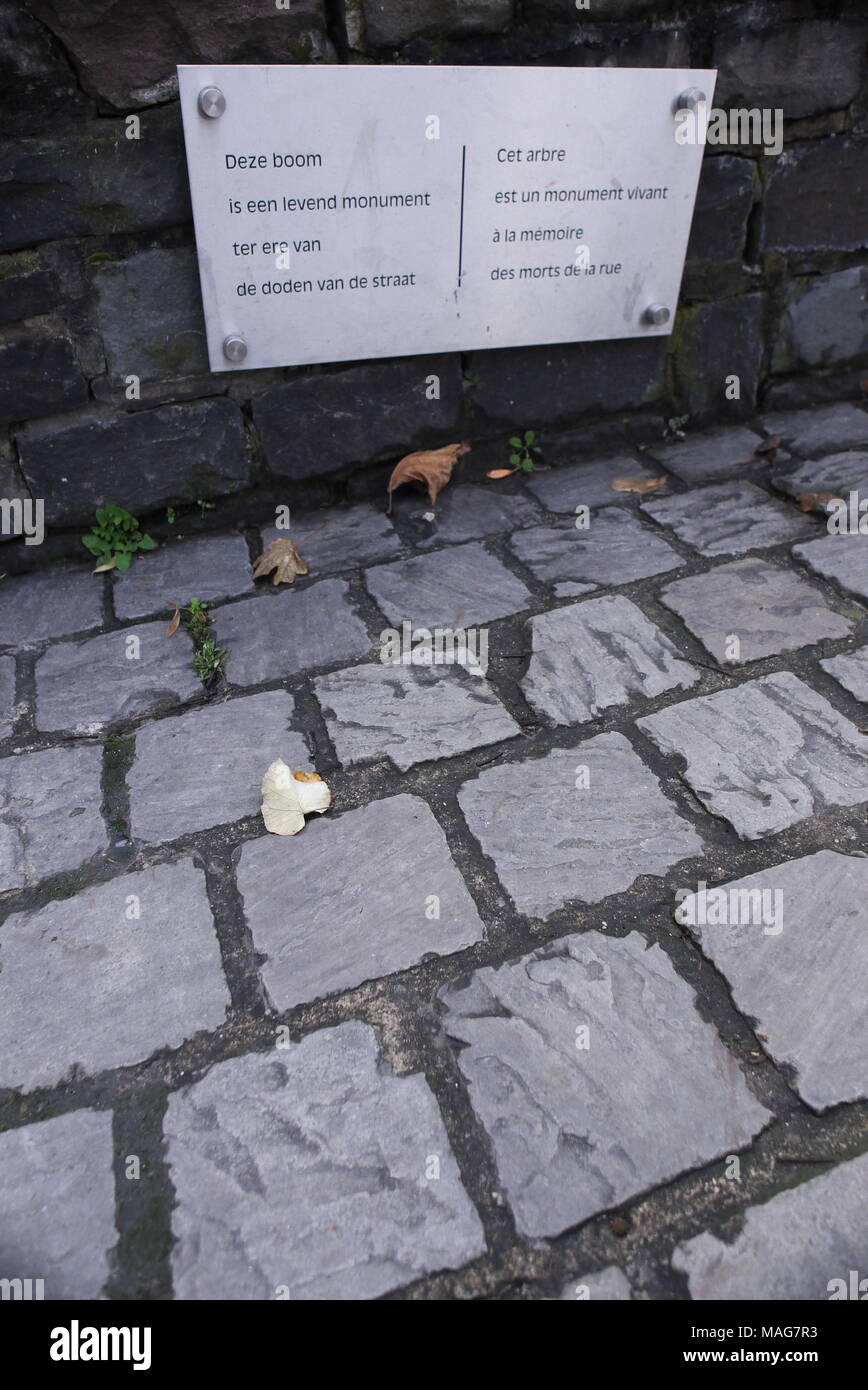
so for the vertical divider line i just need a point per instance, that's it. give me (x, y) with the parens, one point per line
(461, 218)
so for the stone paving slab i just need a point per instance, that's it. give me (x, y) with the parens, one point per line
(208, 568)
(586, 484)
(706, 458)
(792, 1247)
(730, 518)
(838, 473)
(569, 589)
(553, 842)
(843, 559)
(460, 587)
(594, 1076)
(465, 513)
(7, 695)
(304, 1170)
(50, 603)
(850, 669)
(607, 1285)
(282, 634)
(615, 549)
(790, 940)
(590, 656)
(347, 920)
(205, 768)
(410, 715)
(769, 610)
(339, 540)
(85, 984)
(820, 429)
(57, 1199)
(50, 818)
(766, 755)
(84, 686)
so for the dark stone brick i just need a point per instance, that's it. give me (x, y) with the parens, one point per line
(801, 68)
(126, 54)
(325, 421)
(825, 321)
(390, 23)
(142, 461)
(38, 375)
(549, 386)
(26, 295)
(165, 336)
(94, 181)
(727, 187)
(817, 198)
(717, 341)
(38, 89)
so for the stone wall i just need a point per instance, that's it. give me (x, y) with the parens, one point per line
(98, 276)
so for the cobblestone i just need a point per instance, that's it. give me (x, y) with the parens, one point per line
(57, 1204)
(615, 549)
(208, 568)
(850, 670)
(205, 768)
(50, 603)
(49, 814)
(843, 559)
(82, 973)
(594, 1076)
(409, 715)
(590, 656)
(280, 635)
(791, 1247)
(729, 518)
(302, 1174)
(339, 540)
(553, 841)
(763, 933)
(766, 755)
(765, 609)
(83, 686)
(357, 923)
(706, 458)
(459, 587)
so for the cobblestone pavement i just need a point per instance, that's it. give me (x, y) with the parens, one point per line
(485, 1030)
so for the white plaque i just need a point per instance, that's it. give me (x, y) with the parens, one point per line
(346, 212)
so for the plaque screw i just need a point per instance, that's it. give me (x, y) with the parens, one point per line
(212, 102)
(656, 314)
(235, 348)
(690, 100)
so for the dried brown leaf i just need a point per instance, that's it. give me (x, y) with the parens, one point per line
(433, 467)
(109, 565)
(174, 624)
(810, 501)
(281, 560)
(638, 484)
(501, 472)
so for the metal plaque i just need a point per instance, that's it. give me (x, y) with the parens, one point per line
(347, 212)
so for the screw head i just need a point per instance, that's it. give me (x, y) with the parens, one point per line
(656, 314)
(690, 100)
(234, 348)
(212, 102)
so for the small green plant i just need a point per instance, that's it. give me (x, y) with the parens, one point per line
(171, 514)
(205, 506)
(208, 658)
(524, 451)
(115, 538)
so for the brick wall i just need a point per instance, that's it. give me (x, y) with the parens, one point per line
(98, 275)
